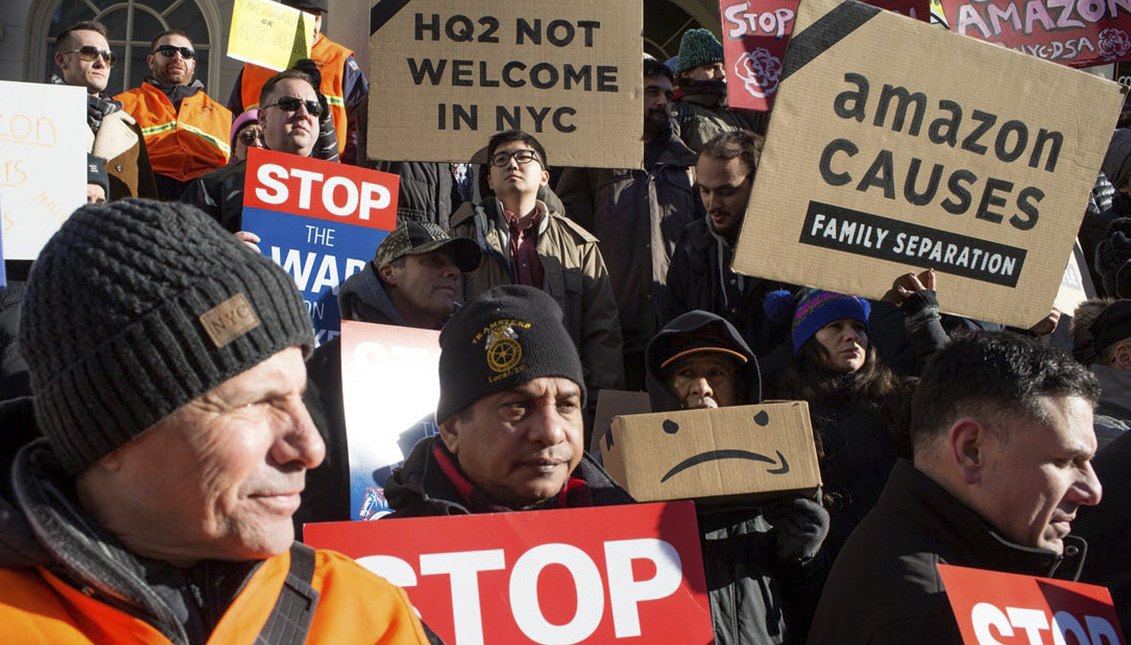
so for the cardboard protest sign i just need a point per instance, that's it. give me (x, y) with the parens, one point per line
(994, 608)
(1077, 34)
(320, 221)
(716, 456)
(873, 168)
(615, 403)
(385, 419)
(1076, 286)
(542, 576)
(43, 134)
(453, 74)
(269, 34)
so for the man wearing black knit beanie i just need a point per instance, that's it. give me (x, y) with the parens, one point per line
(510, 413)
(166, 364)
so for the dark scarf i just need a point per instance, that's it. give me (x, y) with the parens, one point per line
(712, 88)
(575, 494)
(97, 106)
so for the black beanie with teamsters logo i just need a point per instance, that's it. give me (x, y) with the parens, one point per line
(499, 340)
(136, 308)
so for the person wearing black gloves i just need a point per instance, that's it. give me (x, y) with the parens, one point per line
(760, 562)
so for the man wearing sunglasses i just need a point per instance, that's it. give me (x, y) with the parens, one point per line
(341, 82)
(83, 56)
(185, 130)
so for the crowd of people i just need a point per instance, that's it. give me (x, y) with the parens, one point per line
(169, 423)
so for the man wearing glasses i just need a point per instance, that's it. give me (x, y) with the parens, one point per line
(525, 242)
(83, 56)
(288, 111)
(185, 130)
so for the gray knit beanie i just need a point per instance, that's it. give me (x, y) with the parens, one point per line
(698, 47)
(1117, 161)
(136, 308)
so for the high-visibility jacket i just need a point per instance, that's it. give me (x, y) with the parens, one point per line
(355, 606)
(331, 59)
(183, 144)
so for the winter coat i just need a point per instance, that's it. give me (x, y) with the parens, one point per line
(885, 587)
(64, 580)
(1113, 414)
(120, 144)
(1107, 525)
(220, 194)
(419, 487)
(638, 216)
(574, 275)
(700, 277)
(704, 116)
(752, 592)
(425, 190)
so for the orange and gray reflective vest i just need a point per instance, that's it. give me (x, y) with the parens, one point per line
(353, 606)
(331, 59)
(182, 144)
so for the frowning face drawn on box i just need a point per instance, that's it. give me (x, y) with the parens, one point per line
(780, 465)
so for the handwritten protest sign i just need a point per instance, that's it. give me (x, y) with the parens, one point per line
(43, 132)
(320, 221)
(982, 177)
(384, 419)
(453, 74)
(543, 576)
(269, 34)
(1078, 34)
(994, 608)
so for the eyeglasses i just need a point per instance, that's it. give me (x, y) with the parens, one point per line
(250, 135)
(521, 157)
(89, 52)
(187, 53)
(292, 104)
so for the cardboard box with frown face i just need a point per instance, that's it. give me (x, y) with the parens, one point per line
(722, 456)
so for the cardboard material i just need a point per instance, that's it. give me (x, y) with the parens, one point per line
(980, 176)
(1010, 609)
(720, 456)
(320, 221)
(451, 74)
(43, 132)
(1077, 34)
(269, 34)
(543, 576)
(384, 418)
(615, 403)
(1076, 286)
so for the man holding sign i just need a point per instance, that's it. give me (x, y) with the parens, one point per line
(1002, 439)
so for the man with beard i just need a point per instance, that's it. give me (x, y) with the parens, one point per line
(638, 214)
(700, 276)
(701, 108)
(185, 130)
(83, 56)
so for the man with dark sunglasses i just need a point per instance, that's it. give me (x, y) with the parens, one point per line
(185, 130)
(82, 53)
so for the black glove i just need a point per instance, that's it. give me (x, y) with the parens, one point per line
(800, 525)
(921, 302)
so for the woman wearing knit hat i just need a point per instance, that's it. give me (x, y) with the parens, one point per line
(857, 403)
(246, 133)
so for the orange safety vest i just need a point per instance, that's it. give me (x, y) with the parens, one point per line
(355, 606)
(331, 59)
(182, 144)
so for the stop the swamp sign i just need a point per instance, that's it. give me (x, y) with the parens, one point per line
(447, 75)
(896, 146)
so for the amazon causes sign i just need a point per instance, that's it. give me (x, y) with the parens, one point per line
(542, 576)
(714, 456)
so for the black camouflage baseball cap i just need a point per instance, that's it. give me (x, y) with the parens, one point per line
(417, 238)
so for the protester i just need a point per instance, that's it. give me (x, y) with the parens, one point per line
(411, 282)
(157, 506)
(184, 128)
(1112, 333)
(858, 405)
(247, 132)
(512, 392)
(761, 567)
(700, 276)
(524, 242)
(84, 59)
(701, 105)
(638, 215)
(1113, 252)
(341, 82)
(1108, 202)
(1002, 439)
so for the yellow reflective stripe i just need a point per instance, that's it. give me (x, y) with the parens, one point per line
(222, 145)
(158, 128)
(250, 107)
(335, 100)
